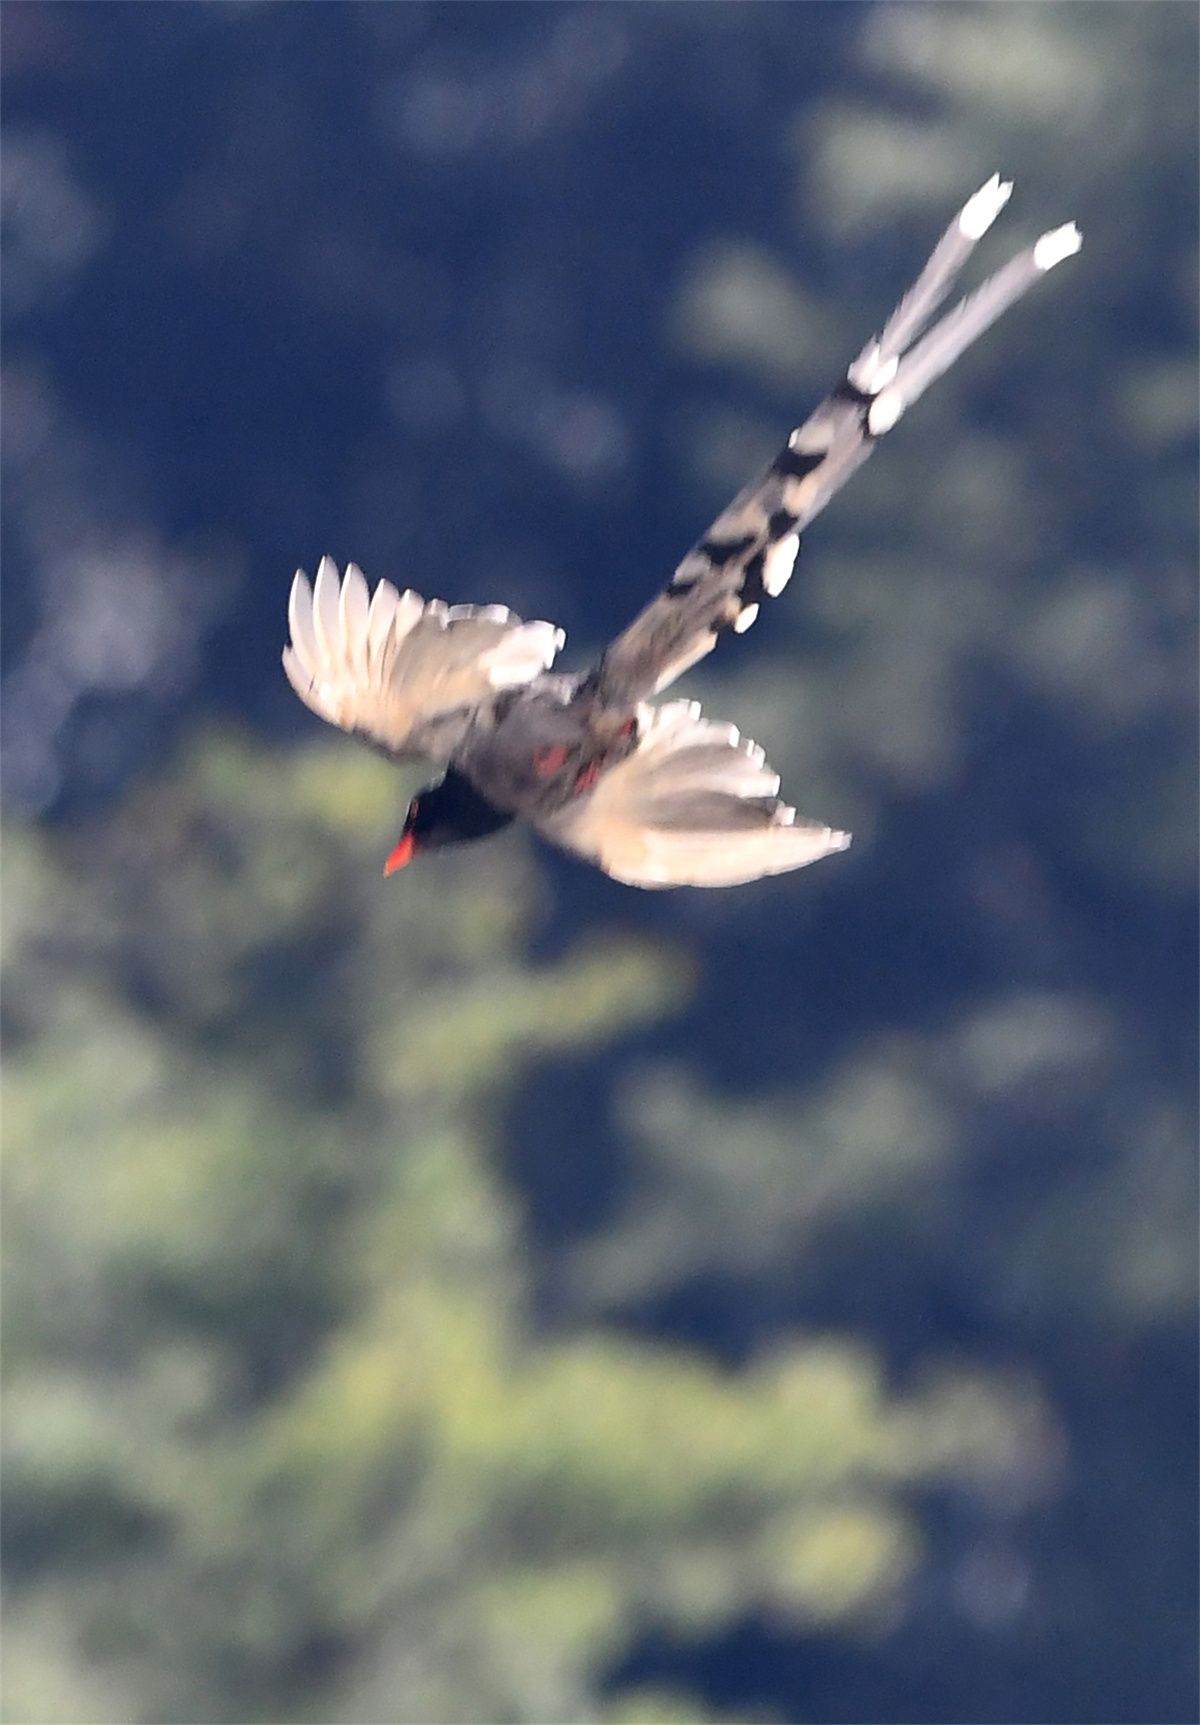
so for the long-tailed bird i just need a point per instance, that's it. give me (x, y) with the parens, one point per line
(654, 795)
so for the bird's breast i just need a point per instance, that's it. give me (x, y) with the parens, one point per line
(544, 751)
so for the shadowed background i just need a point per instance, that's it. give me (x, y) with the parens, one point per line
(496, 1294)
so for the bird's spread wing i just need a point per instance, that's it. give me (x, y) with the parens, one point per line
(694, 805)
(748, 553)
(397, 668)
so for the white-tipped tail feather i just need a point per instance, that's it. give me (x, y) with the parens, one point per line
(1058, 244)
(747, 554)
(981, 210)
(884, 411)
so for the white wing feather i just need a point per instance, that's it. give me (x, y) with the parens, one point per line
(391, 665)
(694, 805)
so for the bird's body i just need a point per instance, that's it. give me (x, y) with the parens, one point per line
(654, 795)
(532, 749)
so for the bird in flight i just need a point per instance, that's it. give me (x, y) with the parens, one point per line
(655, 795)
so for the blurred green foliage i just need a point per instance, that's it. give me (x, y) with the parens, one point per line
(282, 1439)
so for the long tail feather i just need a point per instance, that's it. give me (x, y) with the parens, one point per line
(748, 553)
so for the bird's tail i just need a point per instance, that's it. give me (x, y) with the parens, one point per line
(748, 553)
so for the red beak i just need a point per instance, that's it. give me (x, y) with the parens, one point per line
(402, 854)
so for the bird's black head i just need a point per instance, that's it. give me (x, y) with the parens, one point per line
(448, 813)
